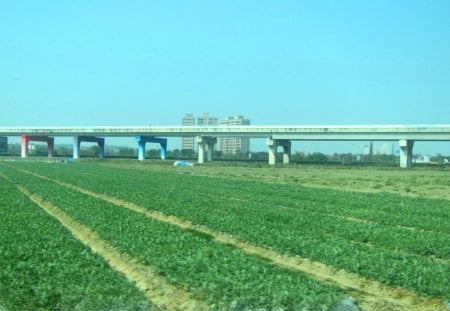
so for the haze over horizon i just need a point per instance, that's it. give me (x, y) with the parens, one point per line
(277, 63)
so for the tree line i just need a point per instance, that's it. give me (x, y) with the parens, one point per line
(92, 151)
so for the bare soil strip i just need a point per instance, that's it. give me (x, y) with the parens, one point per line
(369, 294)
(154, 287)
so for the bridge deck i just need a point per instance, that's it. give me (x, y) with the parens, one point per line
(344, 132)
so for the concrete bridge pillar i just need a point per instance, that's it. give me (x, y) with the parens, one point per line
(26, 139)
(210, 145)
(163, 150)
(273, 144)
(50, 146)
(101, 145)
(77, 140)
(142, 140)
(141, 150)
(272, 151)
(201, 151)
(205, 146)
(286, 151)
(76, 147)
(406, 153)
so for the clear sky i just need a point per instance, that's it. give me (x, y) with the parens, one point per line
(275, 62)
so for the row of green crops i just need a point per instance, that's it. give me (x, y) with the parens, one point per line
(42, 266)
(218, 274)
(385, 208)
(292, 222)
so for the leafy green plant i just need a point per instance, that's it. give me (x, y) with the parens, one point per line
(221, 275)
(42, 266)
(386, 237)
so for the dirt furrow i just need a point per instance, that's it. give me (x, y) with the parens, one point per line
(154, 287)
(370, 295)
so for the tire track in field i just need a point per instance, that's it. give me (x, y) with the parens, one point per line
(370, 294)
(153, 286)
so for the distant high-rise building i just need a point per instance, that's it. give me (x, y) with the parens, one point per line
(229, 145)
(206, 120)
(188, 142)
(233, 145)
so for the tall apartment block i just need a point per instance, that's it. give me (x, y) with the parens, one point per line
(228, 145)
(189, 120)
(207, 120)
(233, 145)
(188, 142)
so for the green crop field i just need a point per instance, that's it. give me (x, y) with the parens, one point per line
(127, 235)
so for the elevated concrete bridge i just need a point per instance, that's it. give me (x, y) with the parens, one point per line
(277, 136)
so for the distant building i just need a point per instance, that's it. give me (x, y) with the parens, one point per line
(189, 120)
(207, 120)
(188, 142)
(228, 145)
(3, 144)
(233, 145)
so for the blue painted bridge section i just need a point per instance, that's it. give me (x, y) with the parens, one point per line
(142, 140)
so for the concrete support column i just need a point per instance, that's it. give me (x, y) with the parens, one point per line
(101, 150)
(142, 140)
(50, 146)
(272, 151)
(141, 151)
(205, 146)
(406, 153)
(76, 147)
(210, 145)
(286, 151)
(77, 140)
(163, 150)
(273, 144)
(201, 152)
(26, 139)
(24, 149)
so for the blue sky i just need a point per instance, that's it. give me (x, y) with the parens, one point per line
(275, 62)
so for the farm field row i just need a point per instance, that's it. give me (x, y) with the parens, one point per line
(42, 266)
(357, 232)
(216, 273)
(418, 182)
(384, 208)
(425, 235)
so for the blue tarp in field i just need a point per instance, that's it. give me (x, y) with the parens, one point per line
(182, 163)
